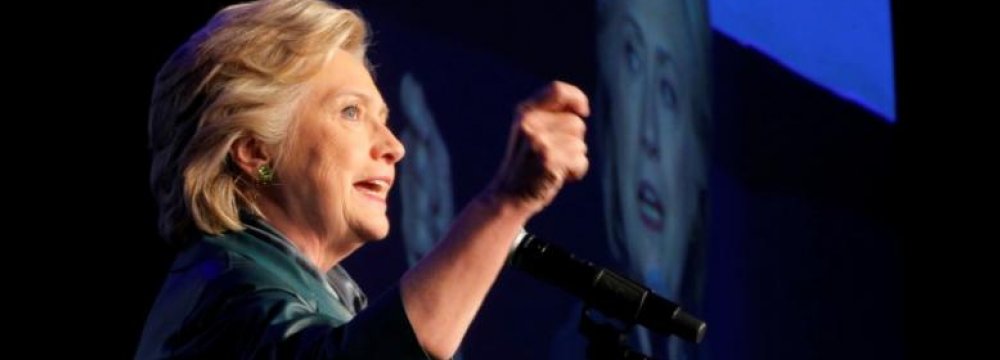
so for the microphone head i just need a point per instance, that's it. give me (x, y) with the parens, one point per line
(688, 327)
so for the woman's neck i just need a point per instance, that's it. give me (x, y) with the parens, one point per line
(323, 249)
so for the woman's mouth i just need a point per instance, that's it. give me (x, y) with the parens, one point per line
(375, 189)
(650, 207)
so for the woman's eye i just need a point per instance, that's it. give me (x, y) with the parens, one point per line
(351, 112)
(669, 94)
(632, 60)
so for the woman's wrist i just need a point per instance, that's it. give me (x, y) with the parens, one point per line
(506, 205)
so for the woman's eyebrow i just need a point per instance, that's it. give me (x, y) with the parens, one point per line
(383, 111)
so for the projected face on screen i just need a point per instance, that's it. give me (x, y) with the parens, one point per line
(651, 100)
(645, 75)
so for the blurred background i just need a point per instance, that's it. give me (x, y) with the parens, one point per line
(746, 162)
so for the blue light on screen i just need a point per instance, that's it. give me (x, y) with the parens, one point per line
(843, 45)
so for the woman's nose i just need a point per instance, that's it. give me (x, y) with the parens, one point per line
(388, 146)
(649, 126)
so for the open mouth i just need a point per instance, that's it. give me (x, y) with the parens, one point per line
(650, 207)
(374, 188)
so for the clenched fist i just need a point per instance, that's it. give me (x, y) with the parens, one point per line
(546, 147)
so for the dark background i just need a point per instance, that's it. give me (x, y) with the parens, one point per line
(817, 240)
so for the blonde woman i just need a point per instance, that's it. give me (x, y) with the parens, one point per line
(272, 163)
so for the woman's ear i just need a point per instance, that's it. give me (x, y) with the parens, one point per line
(248, 155)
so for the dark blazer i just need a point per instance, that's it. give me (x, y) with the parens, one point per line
(250, 294)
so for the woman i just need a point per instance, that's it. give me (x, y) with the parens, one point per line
(652, 111)
(271, 164)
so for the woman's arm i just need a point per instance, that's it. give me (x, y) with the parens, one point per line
(443, 292)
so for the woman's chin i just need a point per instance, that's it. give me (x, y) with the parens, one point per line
(375, 232)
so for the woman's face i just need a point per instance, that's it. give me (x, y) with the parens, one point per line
(642, 47)
(341, 156)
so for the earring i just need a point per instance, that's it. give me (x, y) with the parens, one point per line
(265, 175)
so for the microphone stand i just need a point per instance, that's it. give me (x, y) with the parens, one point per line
(605, 341)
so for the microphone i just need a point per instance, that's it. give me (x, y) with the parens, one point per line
(610, 293)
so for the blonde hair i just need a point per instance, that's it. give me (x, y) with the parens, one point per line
(240, 75)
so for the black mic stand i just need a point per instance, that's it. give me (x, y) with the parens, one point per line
(606, 341)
